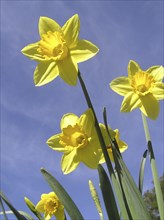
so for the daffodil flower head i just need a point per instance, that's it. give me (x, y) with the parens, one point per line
(114, 134)
(141, 89)
(78, 141)
(58, 51)
(50, 205)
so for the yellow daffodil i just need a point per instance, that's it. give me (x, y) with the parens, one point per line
(58, 51)
(78, 141)
(142, 89)
(50, 205)
(114, 135)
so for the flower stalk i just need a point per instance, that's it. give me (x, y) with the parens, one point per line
(157, 186)
(102, 143)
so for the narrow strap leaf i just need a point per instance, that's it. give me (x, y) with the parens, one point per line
(141, 172)
(3, 210)
(31, 206)
(102, 143)
(108, 195)
(63, 196)
(157, 186)
(16, 213)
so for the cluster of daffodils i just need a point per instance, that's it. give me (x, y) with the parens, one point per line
(58, 53)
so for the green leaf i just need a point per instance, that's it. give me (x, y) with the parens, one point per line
(96, 199)
(132, 194)
(3, 210)
(63, 196)
(108, 195)
(141, 172)
(16, 213)
(31, 206)
(29, 217)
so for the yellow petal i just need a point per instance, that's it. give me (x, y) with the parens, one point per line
(105, 134)
(87, 121)
(84, 50)
(68, 70)
(150, 106)
(71, 30)
(158, 91)
(45, 73)
(53, 142)
(121, 144)
(40, 206)
(69, 162)
(90, 155)
(68, 119)
(121, 85)
(59, 214)
(130, 102)
(31, 52)
(133, 67)
(47, 24)
(157, 72)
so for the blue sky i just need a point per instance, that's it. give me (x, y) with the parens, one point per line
(123, 30)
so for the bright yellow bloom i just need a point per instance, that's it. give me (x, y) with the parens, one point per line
(50, 205)
(142, 89)
(114, 135)
(78, 141)
(58, 51)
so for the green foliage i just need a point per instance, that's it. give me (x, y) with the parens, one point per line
(151, 201)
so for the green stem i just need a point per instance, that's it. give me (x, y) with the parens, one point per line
(101, 139)
(157, 186)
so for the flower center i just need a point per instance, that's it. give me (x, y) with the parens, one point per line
(142, 83)
(73, 136)
(53, 45)
(51, 206)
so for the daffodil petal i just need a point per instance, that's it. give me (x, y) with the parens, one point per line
(130, 102)
(69, 162)
(157, 72)
(68, 119)
(87, 121)
(158, 91)
(40, 206)
(105, 134)
(45, 73)
(47, 24)
(54, 143)
(93, 157)
(31, 52)
(150, 106)
(121, 144)
(83, 51)
(71, 30)
(59, 214)
(68, 70)
(133, 68)
(121, 85)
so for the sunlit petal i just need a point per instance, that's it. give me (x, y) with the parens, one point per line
(69, 162)
(86, 121)
(158, 91)
(68, 119)
(121, 85)
(83, 51)
(150, 106)
(45, 73)
(130, 102)
(47, 24)
(133, 68)
(71, 30)
(68, 70)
